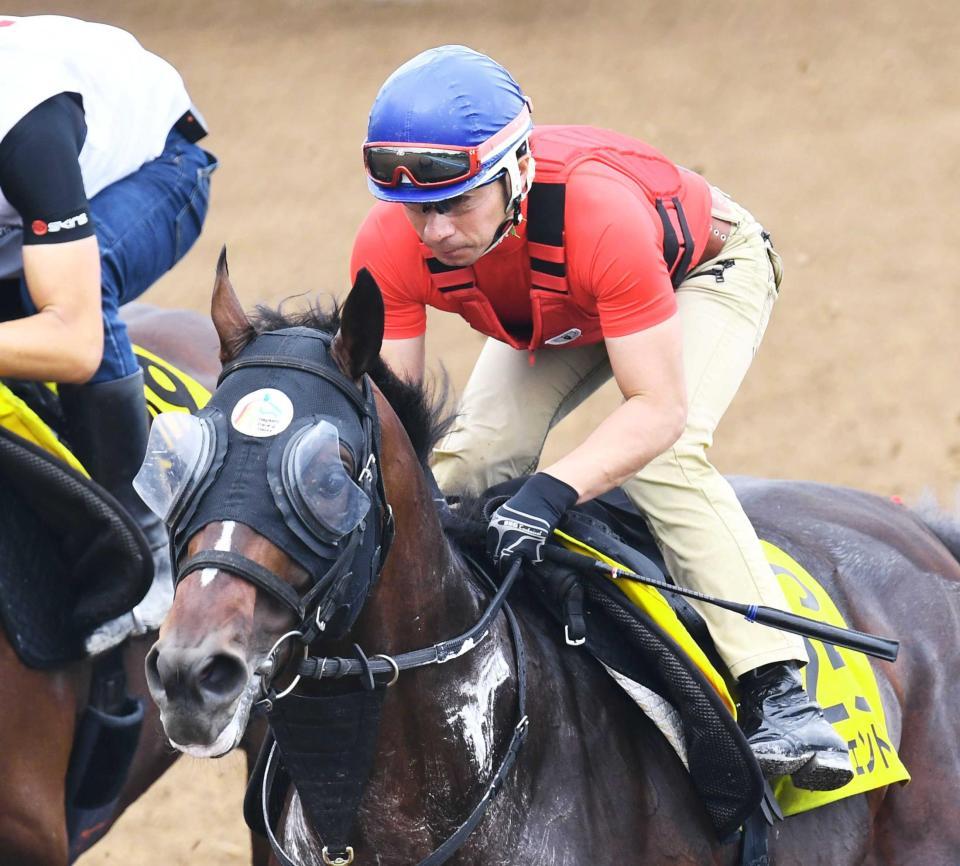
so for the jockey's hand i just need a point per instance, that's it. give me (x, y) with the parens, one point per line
(522, 525)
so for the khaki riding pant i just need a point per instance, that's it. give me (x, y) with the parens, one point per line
(508, 407)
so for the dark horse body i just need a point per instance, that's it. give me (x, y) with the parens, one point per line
(39, 709)
(595, 782)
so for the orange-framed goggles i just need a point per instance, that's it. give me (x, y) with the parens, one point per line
(435, 165)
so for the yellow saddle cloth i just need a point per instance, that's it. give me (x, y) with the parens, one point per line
(841, 680)
(166, 389)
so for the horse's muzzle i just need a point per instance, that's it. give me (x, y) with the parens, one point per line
(196, 689)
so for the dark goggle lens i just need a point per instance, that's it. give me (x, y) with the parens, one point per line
(425, 166)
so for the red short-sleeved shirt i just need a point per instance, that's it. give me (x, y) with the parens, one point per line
(614, 247)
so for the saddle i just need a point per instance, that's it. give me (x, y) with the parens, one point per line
(696, 714)
(675, 682)
(71, 558)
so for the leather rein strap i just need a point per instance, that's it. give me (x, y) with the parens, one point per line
(337, 668)
(321, 668)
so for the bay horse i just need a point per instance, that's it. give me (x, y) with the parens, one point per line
(595, 782)
(39, 709)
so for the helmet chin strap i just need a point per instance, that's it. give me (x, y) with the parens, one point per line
(514, 212)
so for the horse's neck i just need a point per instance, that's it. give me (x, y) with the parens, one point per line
(424, 594)
(443, 727)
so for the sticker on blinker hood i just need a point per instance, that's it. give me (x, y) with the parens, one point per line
(262, 413)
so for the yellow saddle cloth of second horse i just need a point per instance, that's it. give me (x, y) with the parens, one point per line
(17, 417)
(166, 389)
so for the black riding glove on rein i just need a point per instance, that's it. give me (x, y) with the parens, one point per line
(522, 525)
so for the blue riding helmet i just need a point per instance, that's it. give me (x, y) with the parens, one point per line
(448, 97)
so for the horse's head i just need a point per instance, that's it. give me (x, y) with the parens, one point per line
(275, 500)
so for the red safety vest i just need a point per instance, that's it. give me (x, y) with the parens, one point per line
(557, 319)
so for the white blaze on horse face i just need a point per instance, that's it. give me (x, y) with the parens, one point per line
(475, 717)
(223, 543)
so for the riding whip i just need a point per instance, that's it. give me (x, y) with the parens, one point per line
(869, 644)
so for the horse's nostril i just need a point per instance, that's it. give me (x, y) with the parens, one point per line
(222, 676)
(152, 669)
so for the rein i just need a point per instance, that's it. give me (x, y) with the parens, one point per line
(337, 668)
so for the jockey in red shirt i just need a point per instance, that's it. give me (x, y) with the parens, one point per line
(584, 254)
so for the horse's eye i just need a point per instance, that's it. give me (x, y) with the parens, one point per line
(332, 480)
(319, 478)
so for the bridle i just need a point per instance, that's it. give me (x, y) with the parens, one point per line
(289, 714)
(314, 607)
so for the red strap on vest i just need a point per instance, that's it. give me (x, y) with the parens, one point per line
(447, 278)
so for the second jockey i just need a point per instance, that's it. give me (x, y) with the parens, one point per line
(102, 190)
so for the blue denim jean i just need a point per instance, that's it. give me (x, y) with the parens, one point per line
(145, 223)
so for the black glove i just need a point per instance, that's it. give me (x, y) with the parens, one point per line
(521, 526)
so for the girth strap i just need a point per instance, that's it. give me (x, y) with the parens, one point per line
(237, 563)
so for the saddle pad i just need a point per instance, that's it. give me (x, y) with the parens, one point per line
(722, 767)
(70, 555)
(44, 615)
(167, 388)
(651, 601)
(36, 603)
(20, 418)
(843, 682)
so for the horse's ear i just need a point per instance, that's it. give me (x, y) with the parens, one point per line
(229, 319)
(356, 345)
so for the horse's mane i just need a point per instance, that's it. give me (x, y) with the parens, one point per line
(422, 409)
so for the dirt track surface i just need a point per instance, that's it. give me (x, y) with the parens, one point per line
(836, 124)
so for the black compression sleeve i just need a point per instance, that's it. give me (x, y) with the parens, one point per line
(40, 172)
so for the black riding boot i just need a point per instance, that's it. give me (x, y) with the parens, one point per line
(788, 732)
(107, 424)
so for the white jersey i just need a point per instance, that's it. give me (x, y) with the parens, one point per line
(131, 99)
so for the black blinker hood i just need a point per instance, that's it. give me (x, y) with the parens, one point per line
(247, 485)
